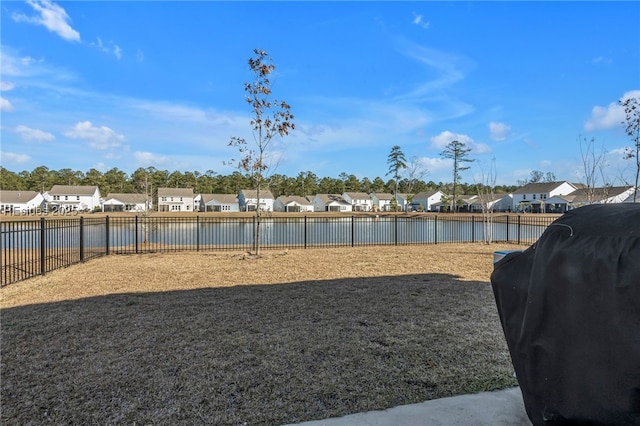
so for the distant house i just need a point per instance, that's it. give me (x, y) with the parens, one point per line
(381, 201)
(73, 198)
(330, 203)
(404, 201)
(248, 200)
(532, 197)
(292, 204)
(360, 201)
(219, 203)
(424, 201)
(20, 201)
(584, 196)
(176, 199)
(494, 203)
(125, 202)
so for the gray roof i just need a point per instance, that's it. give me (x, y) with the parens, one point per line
(220, 198)
(127, 197)
(252, 193)
(175, 192)
(598, 194)
(382, 195)
(358, 195)
(294, 199)
(330, 198)
(18, 197)
(540, 187)
(73, 190)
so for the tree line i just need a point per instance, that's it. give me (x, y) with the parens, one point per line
(42, 178)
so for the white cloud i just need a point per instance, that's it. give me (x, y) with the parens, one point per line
(147, 158)
(443, 139)
(52, 17)
(436, 166)
(29, 134)
(419, 20)
(109, 48)
(498, 131)
(12, 158)
(98, 137)
(5, 86)
(609, 116)
(601, 60)
(5, 105)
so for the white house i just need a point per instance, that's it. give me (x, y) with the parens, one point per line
(73, 198)
(330, 203)
(584, 196)
(20, 201)
(403, 201)
(219, 203)
(360, 201)
(532, 197)
(494, 203)
(176, 199)
(292, 204)
(381, 201)
(248, 200)
(126, 202)
(424, 201)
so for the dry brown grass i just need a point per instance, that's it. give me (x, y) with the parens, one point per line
(225, 338)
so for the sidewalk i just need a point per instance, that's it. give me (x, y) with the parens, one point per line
(500, 408)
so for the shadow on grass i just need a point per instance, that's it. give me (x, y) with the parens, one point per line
(269, 354)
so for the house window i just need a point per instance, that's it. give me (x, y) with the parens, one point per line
(164, 198)
(56, 197)
(78, 198)
(524, 196)
(66, 197)
(534, 196)
(543, 196)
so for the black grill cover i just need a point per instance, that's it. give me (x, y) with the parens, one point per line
(570, 311)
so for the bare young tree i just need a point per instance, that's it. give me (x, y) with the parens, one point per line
(631, 122)
(271, 118)
(593, 164)
(414, 173)
(458, 152)
(487, 198)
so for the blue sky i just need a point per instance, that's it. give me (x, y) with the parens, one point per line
(138, 84)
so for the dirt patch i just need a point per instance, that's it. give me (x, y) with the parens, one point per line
(227, 338)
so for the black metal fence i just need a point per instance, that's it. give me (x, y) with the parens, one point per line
(35, 247)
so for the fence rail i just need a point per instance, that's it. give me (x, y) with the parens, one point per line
(35, 247)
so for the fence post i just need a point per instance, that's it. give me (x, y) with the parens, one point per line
(305, 231)
(197, 233)
(81, 239)
(519, 228)
(106, 227)
(395, 225)
(435, 230)
(135, 238)
(352, 231)
(473, 229)
(507, 228)
(43, 259)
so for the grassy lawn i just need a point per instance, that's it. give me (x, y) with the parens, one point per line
(228, 339)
